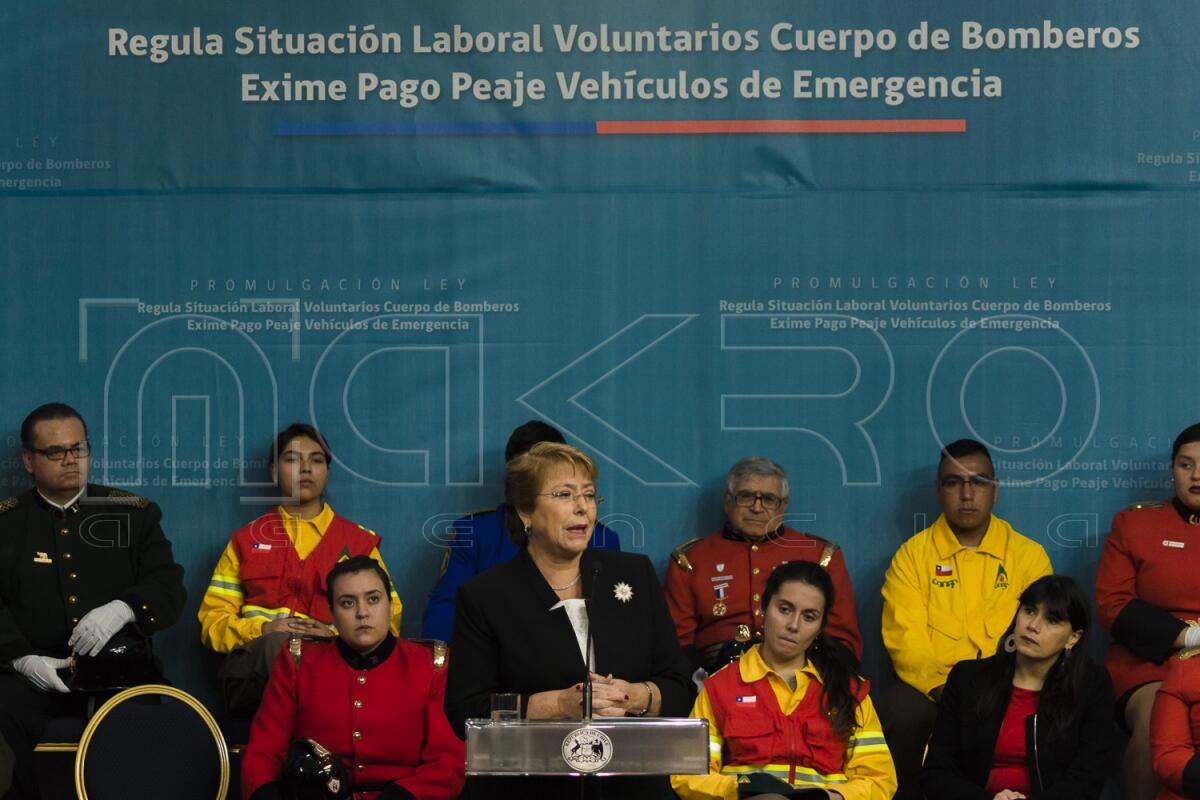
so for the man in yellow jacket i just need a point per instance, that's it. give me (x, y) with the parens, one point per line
(948, 595)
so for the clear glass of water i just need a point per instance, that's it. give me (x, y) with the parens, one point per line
(506, 707)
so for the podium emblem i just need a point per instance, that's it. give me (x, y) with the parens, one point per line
(587, 749)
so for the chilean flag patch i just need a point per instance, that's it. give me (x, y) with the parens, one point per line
(943, 570)
(749, 700)
(260, 546)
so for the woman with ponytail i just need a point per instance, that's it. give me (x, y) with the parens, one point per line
(1032, 721)
(791, 717)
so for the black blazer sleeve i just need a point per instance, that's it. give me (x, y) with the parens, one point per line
(1094, 740)
(474, 667)
(947, 761)
(672, 670)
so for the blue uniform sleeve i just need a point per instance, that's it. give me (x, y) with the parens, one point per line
(462, 564)
(605, 538)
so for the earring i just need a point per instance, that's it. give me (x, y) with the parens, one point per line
(526, 530)
(1010, 644)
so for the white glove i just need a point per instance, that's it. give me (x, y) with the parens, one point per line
(39, 670)
(1191, 637)
(98, 626)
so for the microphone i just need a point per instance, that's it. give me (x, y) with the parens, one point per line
(587, 648)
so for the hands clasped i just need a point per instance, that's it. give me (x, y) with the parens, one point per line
(611, 697)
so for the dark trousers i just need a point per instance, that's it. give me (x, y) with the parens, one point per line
(907, 717)
(245, 673)
(24, 713)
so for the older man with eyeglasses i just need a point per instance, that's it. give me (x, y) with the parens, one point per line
(78, 563)
(715, 583)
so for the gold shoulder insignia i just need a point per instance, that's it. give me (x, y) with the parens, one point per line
(8, 504)
(827, 553)
(438, 650)
(678, 554)
(1145, 504)
(479, 512)
(129, 498)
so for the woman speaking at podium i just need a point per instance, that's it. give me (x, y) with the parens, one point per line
(538, 624)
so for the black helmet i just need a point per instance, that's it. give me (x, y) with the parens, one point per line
(126, 660)
(311, 772)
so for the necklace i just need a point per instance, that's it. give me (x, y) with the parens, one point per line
(564, 587)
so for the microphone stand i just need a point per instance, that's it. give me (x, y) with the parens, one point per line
(587, 785)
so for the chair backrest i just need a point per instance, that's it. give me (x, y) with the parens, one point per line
(150, 742)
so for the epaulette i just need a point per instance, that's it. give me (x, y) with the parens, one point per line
(128, 498)
(1145, 504)
(437, 651)
(678, 554)
(827, 552)
(8, 504)
(479, 512)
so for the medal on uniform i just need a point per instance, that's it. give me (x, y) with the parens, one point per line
(719, 608)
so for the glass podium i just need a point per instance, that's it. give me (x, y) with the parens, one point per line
(618, 746)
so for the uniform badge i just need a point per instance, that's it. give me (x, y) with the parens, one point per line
(943, 570)
(721, 567)
(43, 558)
(1001, 578)
(623, 592)
(1170, 543)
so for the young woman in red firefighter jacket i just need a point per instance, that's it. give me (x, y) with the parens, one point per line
(1148, 598)
(269, 584)
(790, 713)
(374, 700)
(1034, 720)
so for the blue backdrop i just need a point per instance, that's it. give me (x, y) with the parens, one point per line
(983, 229)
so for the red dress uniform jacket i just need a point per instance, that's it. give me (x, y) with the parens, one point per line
(274, 577)
(732, 570)
(1145, 587)
(381, 714)
(1175, 731)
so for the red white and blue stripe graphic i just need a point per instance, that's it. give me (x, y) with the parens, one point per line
(689, 127)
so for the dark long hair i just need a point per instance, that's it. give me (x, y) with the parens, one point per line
(830, 657)
(1061, 598)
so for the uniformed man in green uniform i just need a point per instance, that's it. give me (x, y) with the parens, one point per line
(78, 562)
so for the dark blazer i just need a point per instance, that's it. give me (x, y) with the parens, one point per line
(1071, 767)
(506, 639)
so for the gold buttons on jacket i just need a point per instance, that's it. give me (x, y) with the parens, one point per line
(362, 678)
(65, 531)
(358, 703)
(756, 597)
(72, 599)
(754, 547)
(66, 556)
(357, 734)
(71, 576)
(755, 571)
